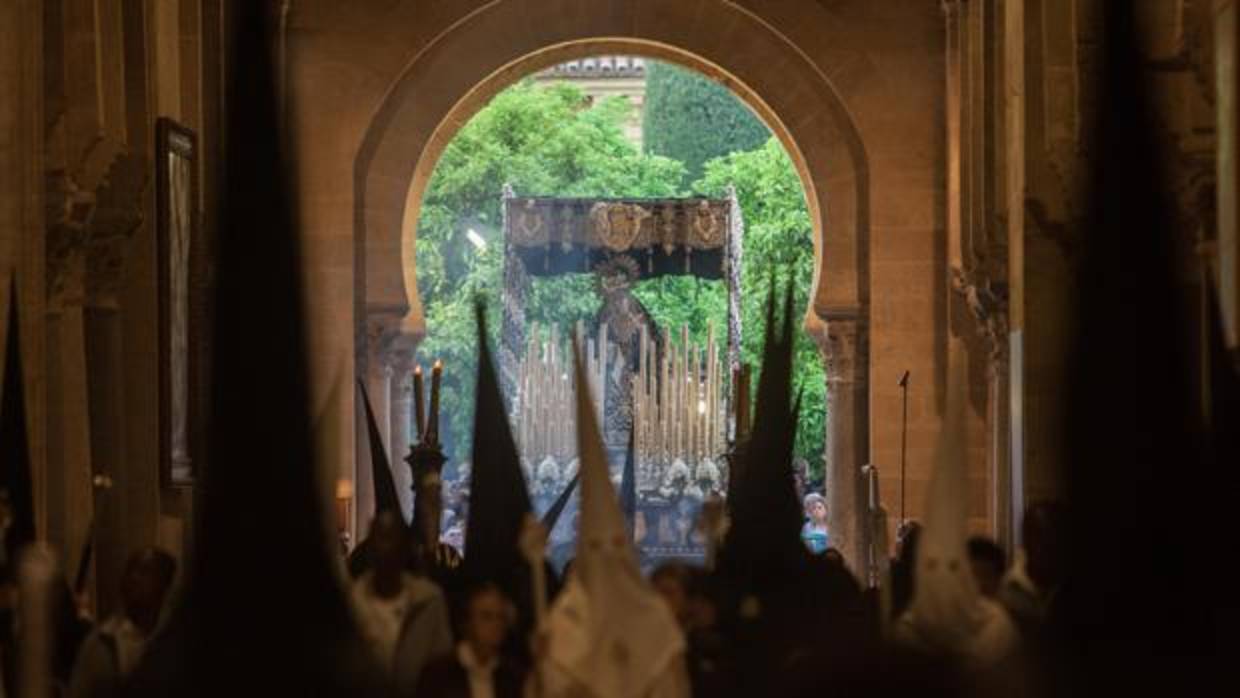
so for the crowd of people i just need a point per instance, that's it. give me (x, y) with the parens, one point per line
(467, 640)
(89, 657)
(773, 610)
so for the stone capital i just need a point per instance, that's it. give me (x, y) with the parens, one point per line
(93, 208)
(987, 300)
(382, 332)
(400, 358)
(844, 343)
(1195, 191)
(105, 269)
(401, 363)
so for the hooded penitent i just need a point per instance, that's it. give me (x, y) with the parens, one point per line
(1146, 602)
(380, 465)
(385, 485)
(610, 634)
(35, 643)
(498, 500)
(762, 549)
(262, 611)
(16, 494)
(948, 615)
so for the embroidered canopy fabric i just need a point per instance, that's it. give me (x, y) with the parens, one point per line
(555, 236)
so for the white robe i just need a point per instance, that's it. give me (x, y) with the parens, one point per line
(609, 633)
(404, 632)
(948, 616)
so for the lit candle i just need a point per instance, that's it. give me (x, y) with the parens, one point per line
(664, 396)
(721, 406)
(523, 409)
(432, 429)
(691, 404)
(732, 406)
(673, 403)
(600, 391)
(712, 372)
(419, 409)
(639, 394)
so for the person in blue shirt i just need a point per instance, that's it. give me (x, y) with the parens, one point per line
(814, 532)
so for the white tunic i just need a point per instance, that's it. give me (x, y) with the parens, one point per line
(382, 620)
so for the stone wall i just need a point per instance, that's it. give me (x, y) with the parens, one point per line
(21, 209)
(941, 146)
(1041, 71)
(855, 90)
(88, 80)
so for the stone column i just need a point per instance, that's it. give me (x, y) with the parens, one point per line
(987, 303)
(954, 116)
(846, 350)
(69, 504)
(86, 338)
(982, 193)
(1006, 499)
(105, 386)
(378, 379)
(95, 176)
(1013, 195)
(118, 215)
(402, 423)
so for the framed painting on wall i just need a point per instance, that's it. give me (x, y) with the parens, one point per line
(177, 216)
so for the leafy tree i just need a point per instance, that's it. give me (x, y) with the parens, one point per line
(778, 243)
(693, 119)
(548, 141)
(543, 140)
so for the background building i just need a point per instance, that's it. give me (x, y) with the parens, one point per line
(600, 77)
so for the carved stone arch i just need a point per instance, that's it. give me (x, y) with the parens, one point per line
(427, 104)
(852, 87)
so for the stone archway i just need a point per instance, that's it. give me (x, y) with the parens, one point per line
(847, 87)
(810, 120)
(421, 113)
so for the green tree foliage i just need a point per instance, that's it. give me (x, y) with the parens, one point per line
(778, 242)
(548, 141)
(542, 141)
(693, 119)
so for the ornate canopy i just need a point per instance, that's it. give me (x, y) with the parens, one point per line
(622, 241)
(555, 236)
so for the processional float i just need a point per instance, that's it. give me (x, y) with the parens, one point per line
(676, 398)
